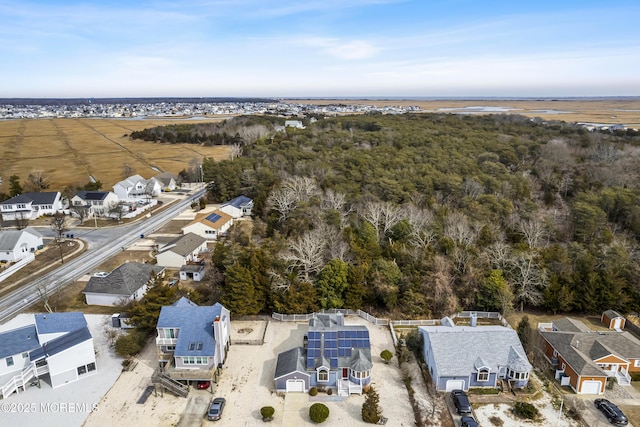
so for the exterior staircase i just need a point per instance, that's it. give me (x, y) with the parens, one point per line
(623, 377)
(169, 384)
(18, 381)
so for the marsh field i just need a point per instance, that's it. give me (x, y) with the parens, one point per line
(69, 151)
(614, 110)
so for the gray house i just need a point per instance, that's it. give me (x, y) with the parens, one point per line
(335, 356)
(460, 357)
(124, 284)
(192, 340)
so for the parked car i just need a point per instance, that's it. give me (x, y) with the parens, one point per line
(611, 412)
(203, 385)
(215, 409)
(461, 402)
(468, 422)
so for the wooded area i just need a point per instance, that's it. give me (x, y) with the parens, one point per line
(419, 215)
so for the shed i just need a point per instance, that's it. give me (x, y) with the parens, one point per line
(612, 319)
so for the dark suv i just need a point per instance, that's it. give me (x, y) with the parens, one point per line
(468, 422)
(461, 402)
(612, 412)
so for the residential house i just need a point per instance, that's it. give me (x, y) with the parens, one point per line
(167, 181)
(613, 320)
(17, 244)
(336, 356)
(583, 359)
(31, 205)
(126, 283)
(461, 357)
(238, 207)
(98, 203)
(136, 187)
(193, 340)
(293, 124)
(209, 225)
(182, 250)
(57, 348)
(194, 272)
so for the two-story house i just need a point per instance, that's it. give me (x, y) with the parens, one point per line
(239, 207)
(97, 203)
(136, 188)
(31, 205)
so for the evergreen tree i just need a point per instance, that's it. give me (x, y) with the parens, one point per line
(144, 313)
(14, 185)
(370, 408)
(331, 284)
(239, 293)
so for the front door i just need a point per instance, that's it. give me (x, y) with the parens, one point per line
(345, 373)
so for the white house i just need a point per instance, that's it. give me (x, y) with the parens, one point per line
(167, 181)
(57, 348)
(192, 340)
(209, 225)
(181, 251)
(31, 205)
(98, 203)
(293, 124)
(126, 283)
(238, 207)
(16, 244)
(136, 187)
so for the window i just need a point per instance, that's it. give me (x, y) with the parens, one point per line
(636, 363)
(9, 361)
(323, 375)
(91, 367)
(170, 333)
(563, 366)
(483, 375)
(82, 370)
(555, 353)
(25, 355)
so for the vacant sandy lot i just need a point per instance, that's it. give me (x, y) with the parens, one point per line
(247, 384)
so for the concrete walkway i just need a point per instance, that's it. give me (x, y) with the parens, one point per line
(296, 410)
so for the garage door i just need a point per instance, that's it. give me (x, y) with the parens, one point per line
(295, 386)
(455, 385)
(591, 387)
(616, 323)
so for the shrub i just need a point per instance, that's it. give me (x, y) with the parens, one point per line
(386, 355)
(131, 343)
(318, 413)
(267, 412)
(525, 410)
(330, 391)
(370, 409)
(496, 421)
(313, 391)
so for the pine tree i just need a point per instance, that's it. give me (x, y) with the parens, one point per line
(370, 408)
(239, 295)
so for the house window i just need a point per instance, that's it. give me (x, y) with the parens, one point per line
(9, 361)
(563, 366)
(323, 375)
(636, 363)
(25, 355)
(170, 333)
(483, 375)
(91, 367)
(555, 353)
(82, 370)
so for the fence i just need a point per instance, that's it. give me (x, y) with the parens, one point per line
(17, 266)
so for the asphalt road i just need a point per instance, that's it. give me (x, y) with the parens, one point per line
(103, 243)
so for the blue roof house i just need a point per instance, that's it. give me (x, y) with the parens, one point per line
(57, 348)
(460, 357)
(335, 356)
(192, 340)
(238, 207)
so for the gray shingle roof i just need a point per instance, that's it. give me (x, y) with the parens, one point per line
(9, 238)
(18, 341)
(457, 349)
(184, 245)
(612, 314)
(579, 349)
(61, 343)
(41, 198)
(291, 361)
(124, 280)
(361, 360)
(52, 323)
(568, 324)
(195, 324)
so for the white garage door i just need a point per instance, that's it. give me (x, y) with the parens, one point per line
(591, 387)
(616, 323)
(455, 385)
(295, 386)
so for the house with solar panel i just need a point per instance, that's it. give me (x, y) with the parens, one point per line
(192, 340)
(209, 225)
(460, 357)
(239, 207)
(183, 250)
(335, 356)
(57, 348)
(97, 203)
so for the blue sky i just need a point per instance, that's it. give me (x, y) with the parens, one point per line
(319, 48)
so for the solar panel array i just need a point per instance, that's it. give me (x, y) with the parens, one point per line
(337, 344)
(213, 217)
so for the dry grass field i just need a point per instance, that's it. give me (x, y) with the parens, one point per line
(618, 111)
(69, 151)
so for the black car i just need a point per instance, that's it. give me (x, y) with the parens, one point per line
(468, 422)
(215, 409)
(461, 402)
(611, 412)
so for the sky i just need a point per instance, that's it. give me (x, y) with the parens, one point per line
(319, 48)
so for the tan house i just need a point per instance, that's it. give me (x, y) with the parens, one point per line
(209, 225)
(585, 359)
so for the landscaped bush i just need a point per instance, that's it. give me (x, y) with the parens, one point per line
(313, 391)
(330, 391)
(318, 413)
(525, 410)
(386, 355)
(267, 413)
(131, 343)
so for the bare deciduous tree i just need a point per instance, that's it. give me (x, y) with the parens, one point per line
(333, 200)
(528, 280)
(81, 211)
(282, 200)
(116, 210)
(235, 150)
(127, 171)
(37, 181)
(49, 295)
(59, 226)
(499, 255)
(458, 229)
(472, 188)
(305, 254)
(420, 220)
(22, 220)
(533, 230)
(382, 215)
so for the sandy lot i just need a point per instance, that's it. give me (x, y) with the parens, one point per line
(247, 384)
